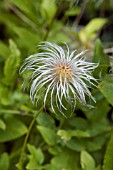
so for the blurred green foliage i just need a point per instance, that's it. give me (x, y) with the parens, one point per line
(55, 142)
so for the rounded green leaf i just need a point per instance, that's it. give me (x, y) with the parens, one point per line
(87, 162)
(48, 134)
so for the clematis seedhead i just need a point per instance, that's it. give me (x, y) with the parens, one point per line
(61, 76)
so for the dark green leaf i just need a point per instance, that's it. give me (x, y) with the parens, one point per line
(97, 113)
(78, 122)
(14, 129)
(66, 159)
(45, 120)
(106, 87)
(101, 59)
(108, 158)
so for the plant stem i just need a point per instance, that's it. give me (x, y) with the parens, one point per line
(48, 31)
(77, 20)
(50, 25)
(20, 163)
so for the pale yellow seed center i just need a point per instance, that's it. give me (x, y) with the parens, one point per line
(64, 71)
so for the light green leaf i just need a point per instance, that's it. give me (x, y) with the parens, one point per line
(5, 50)
(14, 129)
(22, 4)
(87, 161)
(11, 64)
(67, 135)
(4, 95)
(89, 32)
(48, 134)
(2, 124)
(29, 8)
(106, 87)
(28, 38)
(73, 11)
(81, 133)
(108, 158)
(4, 161)
(59, 37)
(101, 59)
(36, 157)
(48, 9)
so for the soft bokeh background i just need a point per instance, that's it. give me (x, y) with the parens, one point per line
(80, 141)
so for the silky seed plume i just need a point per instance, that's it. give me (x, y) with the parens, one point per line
(63, 75)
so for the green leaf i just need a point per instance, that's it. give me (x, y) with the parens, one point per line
(4, 161)
(90, 144)
(95, 143)
(27, 38)
(78, 122)
(67, 135)
(106, 87)
(108, 158)
(4, 91)
(2, 124)
(100, 57)
(73, 11)
(66, 159)
(59, 37)
(75, 144)
(89, 32)
(31, 10)
(87, 161)
(111, 63)
(36, 157)
(14, 129)
(58, 33)
(22, 4)
(5, 50)
(97, 113)
(96, 128)
(48, 9)
(11, 64)
(48, 134)
(98, 167)
(45, 120)
(80, 133)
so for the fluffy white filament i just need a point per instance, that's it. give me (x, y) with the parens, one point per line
(64, 76)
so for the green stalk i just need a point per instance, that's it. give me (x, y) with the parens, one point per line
(20, 163)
